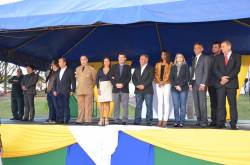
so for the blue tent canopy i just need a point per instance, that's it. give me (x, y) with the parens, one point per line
(38, 31)
(23, 14)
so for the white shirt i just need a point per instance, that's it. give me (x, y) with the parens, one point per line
(197, 59)
(229, 55)
(62, 70)
(143, 68)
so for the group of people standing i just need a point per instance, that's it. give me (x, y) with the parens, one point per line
(219, 73)
(173, 80)
(23, 93)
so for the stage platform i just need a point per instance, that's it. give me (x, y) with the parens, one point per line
(190, 123)
(38, 143)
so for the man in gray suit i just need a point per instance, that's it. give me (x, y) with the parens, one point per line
(29, 91)
(199, 75)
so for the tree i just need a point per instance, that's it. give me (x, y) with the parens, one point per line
(6, 70)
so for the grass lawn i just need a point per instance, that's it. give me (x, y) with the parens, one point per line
(243, 107)
(41, 108)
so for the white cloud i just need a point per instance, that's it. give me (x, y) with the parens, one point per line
(5, 2)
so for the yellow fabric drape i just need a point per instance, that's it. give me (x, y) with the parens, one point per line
(220, 146)
(24, 140)
(245, 63)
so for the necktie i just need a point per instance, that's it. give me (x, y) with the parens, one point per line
(194, 67)
(196, 60)
(226, 59)
(121, 69)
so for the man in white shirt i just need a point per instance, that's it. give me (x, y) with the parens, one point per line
(142, 78)
(62, 70)
(143, 68)
(64, 86)
(199, 74)
(226, 68)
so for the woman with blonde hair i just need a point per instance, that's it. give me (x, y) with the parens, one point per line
(179, 78)
(104, 86)
(162, 72)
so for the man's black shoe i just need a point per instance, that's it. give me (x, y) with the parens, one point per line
(59, 122)
(77, 123)
(197, 124)
(87, 123)
(176, 125)
(220, 126)
(212, 125)
(124, 123)
(135, 123)
(234, 127)
(116, 122)
(203, 125)
(66, 122)
(181, 125)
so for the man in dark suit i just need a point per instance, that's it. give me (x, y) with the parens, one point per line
(142, 78)
(29, 91)
(211, 81)
(227, 67)
(120, 77)
(64, 86)
(17, 103)
(199, 74)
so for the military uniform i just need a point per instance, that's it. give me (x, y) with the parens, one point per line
(86, 78)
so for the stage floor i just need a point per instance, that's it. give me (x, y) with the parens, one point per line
(242, 124)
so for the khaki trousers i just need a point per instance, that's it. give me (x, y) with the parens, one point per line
(85, 108)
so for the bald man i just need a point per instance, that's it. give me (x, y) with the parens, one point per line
(227, 67)
(142, 78)
(199, 76)
(86, 78)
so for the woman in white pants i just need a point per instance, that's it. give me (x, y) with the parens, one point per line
(162, 72)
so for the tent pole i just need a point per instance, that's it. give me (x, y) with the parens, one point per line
(78, 42)
(242, 23)
(158, 35)
(53, 28)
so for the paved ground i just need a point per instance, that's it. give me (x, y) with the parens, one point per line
(242, 125)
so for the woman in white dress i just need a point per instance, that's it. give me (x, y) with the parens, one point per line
(104, 87)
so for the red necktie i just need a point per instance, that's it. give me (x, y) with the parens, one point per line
(226, 59)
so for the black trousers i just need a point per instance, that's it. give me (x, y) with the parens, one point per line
(213, 103)
(62, 108)
(29, 110)
(230, 93)
(17, 105)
